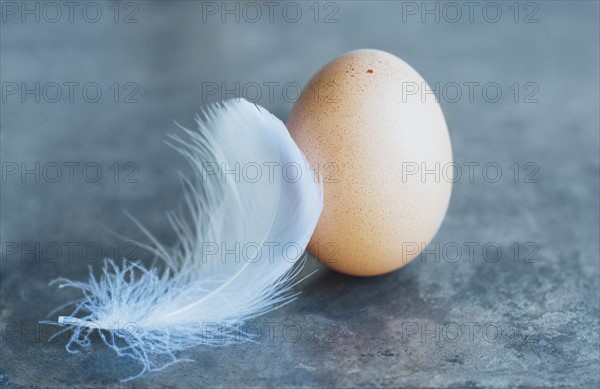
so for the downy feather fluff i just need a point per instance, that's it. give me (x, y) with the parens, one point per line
(269, 208)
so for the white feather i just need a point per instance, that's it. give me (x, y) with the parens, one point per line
(202, 298)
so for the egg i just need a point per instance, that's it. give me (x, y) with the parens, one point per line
(377, 138)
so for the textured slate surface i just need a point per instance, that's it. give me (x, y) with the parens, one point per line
(473, 321)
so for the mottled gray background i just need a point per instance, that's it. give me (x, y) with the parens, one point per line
(472, 322)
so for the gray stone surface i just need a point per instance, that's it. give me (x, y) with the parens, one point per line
(435, 323)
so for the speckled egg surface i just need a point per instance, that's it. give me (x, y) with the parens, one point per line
(376, 142)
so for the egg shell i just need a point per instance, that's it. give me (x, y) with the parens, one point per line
(364, 129)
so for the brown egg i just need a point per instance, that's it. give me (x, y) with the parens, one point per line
(382, 149)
